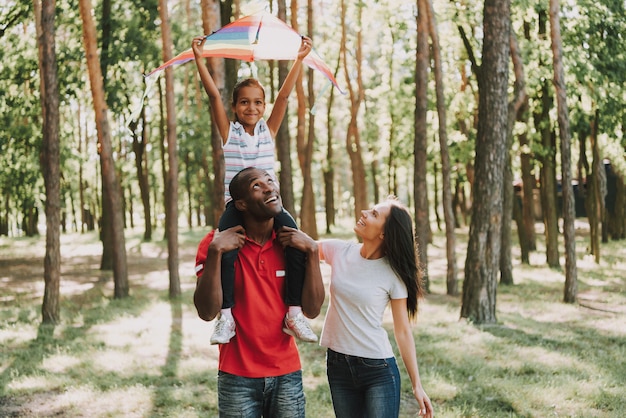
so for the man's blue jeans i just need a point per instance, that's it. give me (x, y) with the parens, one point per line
(271, 397)
(362, 387)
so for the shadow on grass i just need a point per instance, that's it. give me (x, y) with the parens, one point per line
(83, 311)
(583, 345)
(533, 353)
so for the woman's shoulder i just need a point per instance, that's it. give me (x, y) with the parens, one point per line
(336, 245)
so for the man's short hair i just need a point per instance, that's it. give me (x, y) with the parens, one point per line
(238, 187)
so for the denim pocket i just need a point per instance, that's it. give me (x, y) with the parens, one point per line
(374, 363)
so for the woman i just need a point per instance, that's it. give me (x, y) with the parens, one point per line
(362, 371)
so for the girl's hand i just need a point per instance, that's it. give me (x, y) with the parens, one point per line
(197, 44)
(305, 47)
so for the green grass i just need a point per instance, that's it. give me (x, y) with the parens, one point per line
(147, 356)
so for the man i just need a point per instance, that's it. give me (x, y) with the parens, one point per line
(259, 369)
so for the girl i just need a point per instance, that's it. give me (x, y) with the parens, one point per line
(248, 141)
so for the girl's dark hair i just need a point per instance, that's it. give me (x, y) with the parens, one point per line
(400, 248)
(248, 82)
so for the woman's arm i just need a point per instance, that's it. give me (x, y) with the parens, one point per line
(218, 113)
(406, 345)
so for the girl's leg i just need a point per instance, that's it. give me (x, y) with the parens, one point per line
(295, 261)
(225, 325)
(295, 323)
(230, 218)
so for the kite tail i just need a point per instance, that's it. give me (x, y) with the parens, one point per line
(327, 85)
(150, 80)
(313, 60)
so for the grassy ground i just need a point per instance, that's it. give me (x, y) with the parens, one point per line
(147, 356)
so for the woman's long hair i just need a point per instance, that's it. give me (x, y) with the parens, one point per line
(400, 248)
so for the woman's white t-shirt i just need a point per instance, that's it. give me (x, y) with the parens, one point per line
(360, 290)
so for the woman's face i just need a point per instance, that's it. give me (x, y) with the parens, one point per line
(372, 222)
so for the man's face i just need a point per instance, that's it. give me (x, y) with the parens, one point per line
(263, 196)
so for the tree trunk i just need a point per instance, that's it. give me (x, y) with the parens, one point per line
(329, 170)
(420, 145)
(353, 137)
(140, 144)
(283, 139)
(520, 212)
(106, 226)
(528, 193)
(392, 184)
(81, 186)
(446, 168)
(597, 181)
(50, 158)
(521, 231)
(529, 182)
(571, 283)
(305, 139)
(516, 105)
(211, 21)
(188, 190)
(162, 152)
(483, 251)
(548, 179)
(171, 214)
(506, 265)
(307, 211)
(618, 224)
(209, 188)
(113, 191)
(548, 163)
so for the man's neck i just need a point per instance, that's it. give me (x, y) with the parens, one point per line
(259, 231)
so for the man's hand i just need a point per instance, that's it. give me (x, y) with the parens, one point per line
(229, 239)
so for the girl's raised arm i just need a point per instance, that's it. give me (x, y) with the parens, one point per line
(218, 113)
(280, 105)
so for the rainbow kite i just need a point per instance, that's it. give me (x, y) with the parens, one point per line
(258, 36)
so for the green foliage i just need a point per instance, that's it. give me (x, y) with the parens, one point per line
(593, 52)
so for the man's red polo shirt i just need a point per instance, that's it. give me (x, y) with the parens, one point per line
(260, 348)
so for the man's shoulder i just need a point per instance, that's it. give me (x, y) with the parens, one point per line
(201, 254)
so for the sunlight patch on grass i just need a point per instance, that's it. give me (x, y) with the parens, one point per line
(59, 363)
(33, 383)
(135, 344)
(17, 335)
(518, 358)
(440, 385)
(610, 325)
(86, 401)
(154, 279)
(150, 331)
(197, 352)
